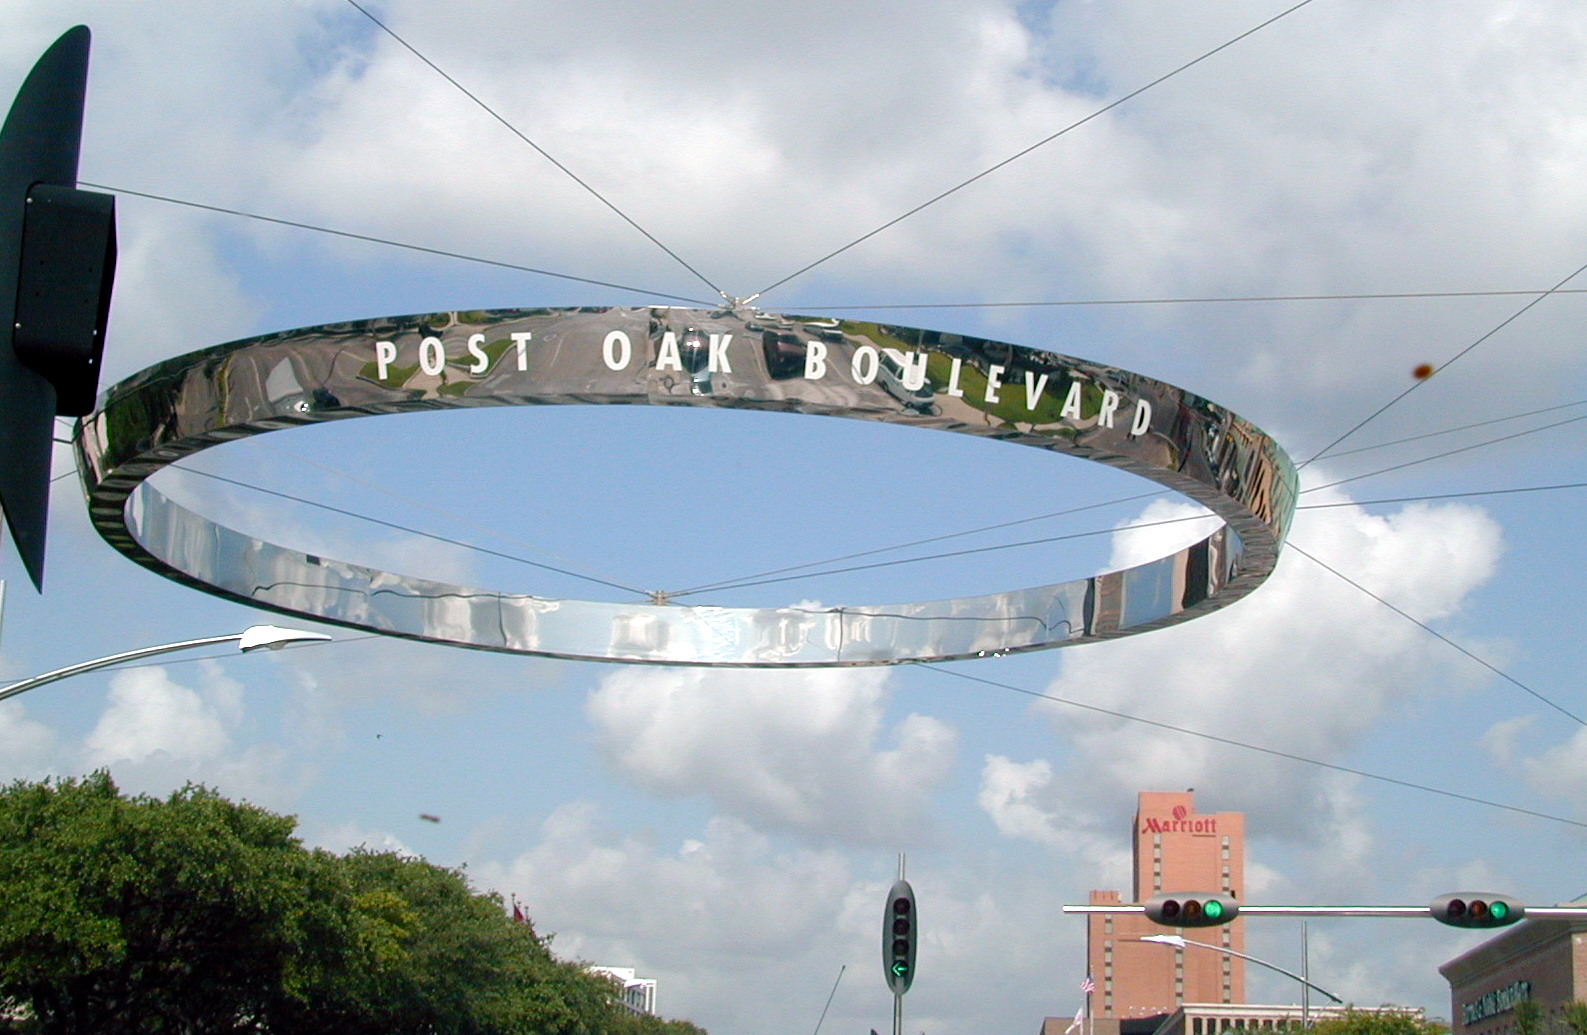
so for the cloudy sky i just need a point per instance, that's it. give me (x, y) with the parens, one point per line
(1396, 706)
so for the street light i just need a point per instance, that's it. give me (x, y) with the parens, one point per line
(255, 637)
(1179, 943)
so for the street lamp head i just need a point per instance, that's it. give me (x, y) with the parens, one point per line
(273, 637)
(1165, 939)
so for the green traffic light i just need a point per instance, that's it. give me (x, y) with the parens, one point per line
(1212, 909)
(900, 968)
(1498, 911)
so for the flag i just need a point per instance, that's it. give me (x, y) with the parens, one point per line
(1088, 986)
(517, 912)
(1080, 1018)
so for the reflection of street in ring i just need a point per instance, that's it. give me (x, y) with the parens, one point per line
(886, 373)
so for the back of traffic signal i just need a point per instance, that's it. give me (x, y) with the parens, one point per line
(57, 265)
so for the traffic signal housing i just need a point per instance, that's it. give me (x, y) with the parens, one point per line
(900, 929)
(57, 263)
(1476, 909)
(1191, 909)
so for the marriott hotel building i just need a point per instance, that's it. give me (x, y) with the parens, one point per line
(1176, 849)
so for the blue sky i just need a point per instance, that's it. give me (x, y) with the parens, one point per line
(732, 833)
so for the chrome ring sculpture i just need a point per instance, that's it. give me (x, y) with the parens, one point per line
(669, 356)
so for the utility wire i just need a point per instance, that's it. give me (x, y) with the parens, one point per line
(410, 501)
(1452, 452)
(1274, 752)
(1451, 431)
(1446, 365)
(735, 583)
(763, 578)
(1433, 632)
(751, 581)
(542, 151)
(1169, 521)
(1040, 143)
(389, 243)
(1363, 296)
(427, 535)
(969, 551)
(1441, 496)
(812, 308)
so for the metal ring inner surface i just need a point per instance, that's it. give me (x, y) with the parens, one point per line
(746, 359)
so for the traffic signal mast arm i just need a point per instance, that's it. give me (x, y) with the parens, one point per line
(1246, 910)
(1534, 912)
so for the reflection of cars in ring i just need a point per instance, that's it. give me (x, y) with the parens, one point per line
(766, 322)
(785, 354)
(693, 349)
(890, 375)
(700, 382)
(826, 330)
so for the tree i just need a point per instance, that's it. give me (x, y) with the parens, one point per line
(1528, 1017)
(429, 955)
(133, 914)
(195, 915)
(1375, 1022)
(1574, 1017)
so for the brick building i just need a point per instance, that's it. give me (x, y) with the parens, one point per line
(1176, 849)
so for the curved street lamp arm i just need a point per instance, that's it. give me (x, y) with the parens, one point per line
(1274, 966)
(253, 637)
(1161, 940)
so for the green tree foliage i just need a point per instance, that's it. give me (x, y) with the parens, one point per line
(140, 915)
(195, 915)
(1371, 1022)
(1528, 1017)
(1574, 1018)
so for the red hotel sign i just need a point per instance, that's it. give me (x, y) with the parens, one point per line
(1183, 822)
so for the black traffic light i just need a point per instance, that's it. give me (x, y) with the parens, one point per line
(1476, 909)
(57, 262)
(1192, 909)
(900, 929)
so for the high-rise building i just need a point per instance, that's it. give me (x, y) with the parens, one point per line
(1176, 849)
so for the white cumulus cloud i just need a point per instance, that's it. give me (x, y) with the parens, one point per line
(1306, 666)
(791, 751)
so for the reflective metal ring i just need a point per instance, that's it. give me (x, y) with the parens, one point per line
(744, 359)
